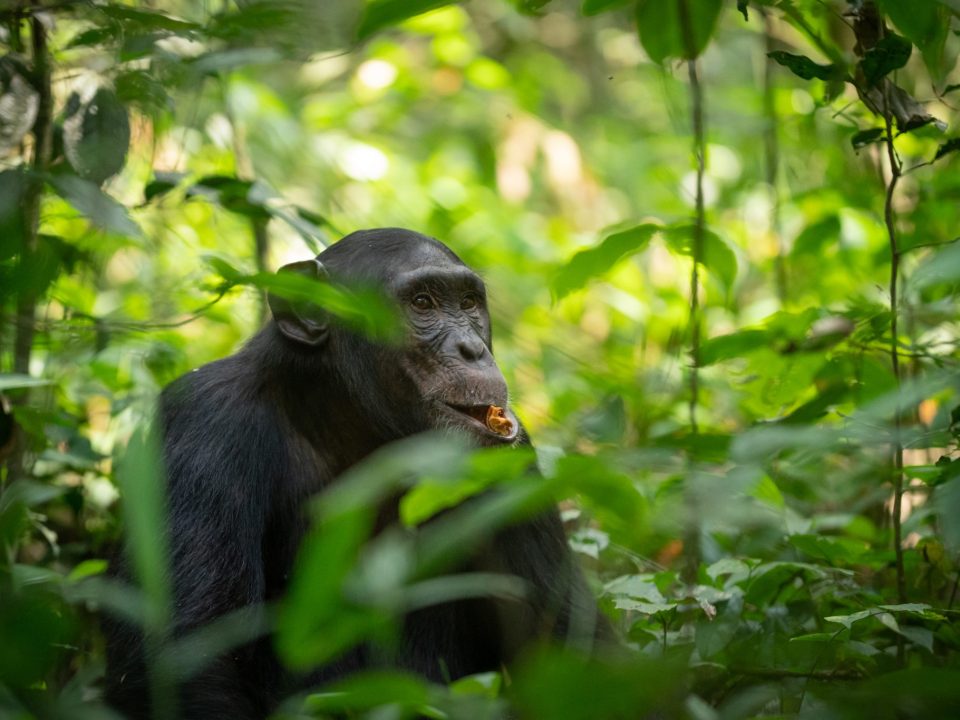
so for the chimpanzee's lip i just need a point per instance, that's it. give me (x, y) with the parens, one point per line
(475, 416)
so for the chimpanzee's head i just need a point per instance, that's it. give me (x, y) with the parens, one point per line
(442, 374)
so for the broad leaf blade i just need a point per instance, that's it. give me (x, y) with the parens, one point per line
(382, 14)
(101, 209)
(595, 261)
(891, 53)
(803, 67)
(667, 31)
(717, 256)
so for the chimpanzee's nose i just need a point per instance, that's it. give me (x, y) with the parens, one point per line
(471, 348)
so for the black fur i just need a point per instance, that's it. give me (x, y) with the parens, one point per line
(248, 439)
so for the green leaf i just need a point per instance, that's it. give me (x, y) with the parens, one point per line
(848, 620)
(713, 635)
(370, 690)
(87, 568)
(28, 493)
(815, 237)
(867, 137)
(530, 7)
(364, 309)
(381, 14)
(599, 259)
(218, 61)
(952, 145)
(15, 381)
(941, 266)
(733, 345)
(718, 258)
(315, 622)
(244, 197)
(13, 184)
(925, 23)
(96, 134)
(136, 19)
(919, 636)
(162, 183)
(907, 607)
(666, 31)
(140, 478)
(143, 90)
(94, 36)
(595, 7)
(891, 53)
(742, 8)
(101, 209)
(834, 550)
(803, 66)
(486, 685)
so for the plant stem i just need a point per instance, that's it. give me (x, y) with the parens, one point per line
(30, 207)
(692, 540)
(889, 219)
(696, 104)
(245, 171)
(772, 158)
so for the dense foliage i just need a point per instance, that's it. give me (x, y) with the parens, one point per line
(720, 245)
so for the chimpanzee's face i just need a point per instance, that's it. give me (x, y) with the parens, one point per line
(447, 354)
(442, 374)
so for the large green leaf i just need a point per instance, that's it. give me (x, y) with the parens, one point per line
(370, 690)
(15, 381)
(101, 209)
(595, 261)
(941, 267)
(595, 7)
(926, 23)
(676, 28)
(733, 345)
(381, 14)
(96, 134)
(296, 28)
(718, 258)
(803, 66)
(891, 53)
(140, 476)
(13, 184)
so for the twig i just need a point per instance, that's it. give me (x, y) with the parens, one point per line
(772, 157)
(696, 99)
(245, 171)
(888, 216)
(30, 207)
(778, 673)
(692, 533)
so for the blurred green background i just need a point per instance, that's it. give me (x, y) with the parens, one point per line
(757, 460)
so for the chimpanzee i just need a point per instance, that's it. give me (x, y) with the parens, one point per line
(248, 439)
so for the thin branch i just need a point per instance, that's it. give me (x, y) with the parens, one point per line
(772, 157)
(691, 541)
(30, 207)
(783, 673)
(245, 171)
(890, 221)
(696, 101)
(797, 18)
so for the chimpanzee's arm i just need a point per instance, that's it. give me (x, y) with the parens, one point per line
(222, 452)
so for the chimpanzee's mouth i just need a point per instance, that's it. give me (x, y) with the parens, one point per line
(491, 419)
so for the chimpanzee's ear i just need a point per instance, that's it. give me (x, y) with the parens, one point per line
(302, 321)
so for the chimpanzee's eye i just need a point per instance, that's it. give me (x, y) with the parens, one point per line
(469, 302)
(422, 301)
